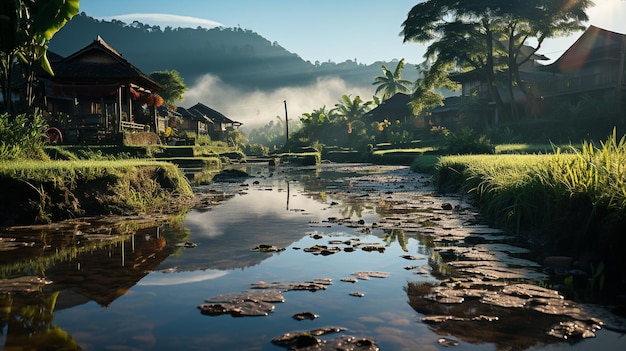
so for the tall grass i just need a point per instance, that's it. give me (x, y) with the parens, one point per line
(530, 191)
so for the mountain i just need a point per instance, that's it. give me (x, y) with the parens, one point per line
(240, 58)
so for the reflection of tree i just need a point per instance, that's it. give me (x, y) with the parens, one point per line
(29, 323)
(352, 208)
(392, 235)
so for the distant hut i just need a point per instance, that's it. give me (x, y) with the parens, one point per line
(396, 108)
(194, 121)
(221, 123)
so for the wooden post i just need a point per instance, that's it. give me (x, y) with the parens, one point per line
(286, 128)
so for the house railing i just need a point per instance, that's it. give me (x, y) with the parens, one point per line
(132, 126)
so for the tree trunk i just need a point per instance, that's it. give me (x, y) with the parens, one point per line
(491, 77)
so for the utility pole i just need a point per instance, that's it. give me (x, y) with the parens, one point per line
(286, 127)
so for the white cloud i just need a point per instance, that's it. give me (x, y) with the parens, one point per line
(177, 278)
(163, 20)
(257, 108)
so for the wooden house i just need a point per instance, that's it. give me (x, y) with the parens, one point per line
(473, 84)
(95, 95)
(396, 108)
(221, 123)
(194, 121)
(594, 65)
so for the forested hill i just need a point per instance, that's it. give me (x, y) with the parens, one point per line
(241, 58)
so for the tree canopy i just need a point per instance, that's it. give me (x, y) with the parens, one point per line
(488, 35)
(173, 85)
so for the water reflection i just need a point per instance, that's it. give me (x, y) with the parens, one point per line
(26, 322)
(134, 286)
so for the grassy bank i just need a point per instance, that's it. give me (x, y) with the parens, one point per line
(573, 203)
(36, 191)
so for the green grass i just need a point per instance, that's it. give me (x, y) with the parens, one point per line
(45, 191)
(528, 191)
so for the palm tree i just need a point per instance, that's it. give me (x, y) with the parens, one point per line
(391, 83)
(350, 110)
(315, 122)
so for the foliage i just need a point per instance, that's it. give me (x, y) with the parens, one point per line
(488, 35)
(349, 109)
(26, 27)
(21, 137)
(272, 134)
(173, 85)
(467, 142)
(391, 83)
(257, 150)
(235, 138)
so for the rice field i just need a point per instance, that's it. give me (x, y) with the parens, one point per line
(529, 190)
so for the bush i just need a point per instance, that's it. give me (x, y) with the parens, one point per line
(257, 150)
(22, 137)
(467, 142)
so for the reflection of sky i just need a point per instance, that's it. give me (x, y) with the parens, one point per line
(262, 207)
(176, 278)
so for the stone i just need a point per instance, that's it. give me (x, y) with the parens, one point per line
(268, 248)
(305, 315)
(246, 303)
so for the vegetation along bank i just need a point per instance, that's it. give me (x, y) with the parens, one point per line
(566, 204)
(37, 191)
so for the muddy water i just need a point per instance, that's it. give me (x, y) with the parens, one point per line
(366, 251)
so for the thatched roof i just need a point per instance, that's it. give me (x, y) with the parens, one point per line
(99, 63)
(214, 115)
(193, 115)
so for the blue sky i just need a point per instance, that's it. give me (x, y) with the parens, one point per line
(321, 30)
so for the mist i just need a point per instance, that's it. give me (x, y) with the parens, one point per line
(257, 108)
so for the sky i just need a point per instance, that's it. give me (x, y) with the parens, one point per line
(317, 30)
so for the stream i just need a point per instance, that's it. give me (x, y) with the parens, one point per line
(334, 256)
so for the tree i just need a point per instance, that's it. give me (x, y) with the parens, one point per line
(25, 29)
(315, 123)
(468, 34)
(173, 85)
(351, 109)
(391, 83)
(462, 35)
(538, 19)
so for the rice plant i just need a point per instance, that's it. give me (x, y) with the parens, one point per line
(530, 191)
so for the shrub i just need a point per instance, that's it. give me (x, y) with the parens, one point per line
(467, 142)
(257, 150)
(22, 137)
